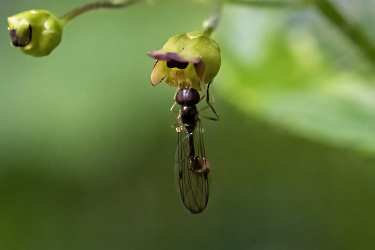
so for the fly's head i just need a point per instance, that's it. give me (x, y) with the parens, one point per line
(187, 97)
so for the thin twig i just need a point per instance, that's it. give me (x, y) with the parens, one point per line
(269, 4)
(212, 22)
(352, 31)
(92, 6)
(331, 13)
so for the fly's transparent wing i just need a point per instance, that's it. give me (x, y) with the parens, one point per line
(192, 168)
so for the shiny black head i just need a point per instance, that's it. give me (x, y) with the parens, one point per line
(187, 97)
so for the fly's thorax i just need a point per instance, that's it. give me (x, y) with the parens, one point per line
(189, 116)
(188, 98)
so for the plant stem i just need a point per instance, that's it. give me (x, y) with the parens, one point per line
(212, 22)
(269, 4)
(92, 6)
(352, 31)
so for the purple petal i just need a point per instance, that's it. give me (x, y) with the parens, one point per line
(199, 69)
(161, 55)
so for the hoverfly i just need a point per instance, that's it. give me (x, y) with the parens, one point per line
(191, 165)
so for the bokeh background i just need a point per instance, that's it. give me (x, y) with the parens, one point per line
(87, 151)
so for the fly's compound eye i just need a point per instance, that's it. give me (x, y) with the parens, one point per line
(187, 97)
(175, 64)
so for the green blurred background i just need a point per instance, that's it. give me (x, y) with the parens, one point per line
(87, 151)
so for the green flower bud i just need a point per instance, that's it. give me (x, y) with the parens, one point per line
(36, 32)
(188, 60)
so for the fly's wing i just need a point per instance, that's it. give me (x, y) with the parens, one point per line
(191, 169)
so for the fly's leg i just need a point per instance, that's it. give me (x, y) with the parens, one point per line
(174, 104)
(174, 111)
(209, 105)
(202, 97)
(176, 125)
(210, 118)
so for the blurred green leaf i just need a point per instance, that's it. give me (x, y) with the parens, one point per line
(295, 85)
(87, 152)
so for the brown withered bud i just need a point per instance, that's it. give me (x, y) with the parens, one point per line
(21, 37)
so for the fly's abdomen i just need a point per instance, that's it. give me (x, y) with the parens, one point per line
(192, 170)
(193, 184)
